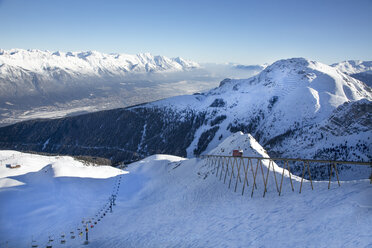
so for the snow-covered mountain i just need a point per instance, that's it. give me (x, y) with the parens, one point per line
(353, 66)
(51, 196)
(33, 72)
(17, 62)
(293, 108)
(37, 83)
(361, 70)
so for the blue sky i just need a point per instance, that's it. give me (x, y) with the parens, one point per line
(247, 32)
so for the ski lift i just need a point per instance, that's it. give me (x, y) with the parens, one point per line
(49, 244)
(34, 244)
(63, 239)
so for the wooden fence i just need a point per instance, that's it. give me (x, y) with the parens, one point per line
(229, 168)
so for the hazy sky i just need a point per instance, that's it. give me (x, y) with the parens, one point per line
(248, 32)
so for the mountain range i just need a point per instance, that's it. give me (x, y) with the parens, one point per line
(293, 108)
(37, 83)
(358, 69)
(43, 74)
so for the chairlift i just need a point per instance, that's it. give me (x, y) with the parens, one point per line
(34, 244)
(63, 240)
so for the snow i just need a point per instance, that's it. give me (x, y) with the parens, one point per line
(45, 144)
(42, 84)
(168, 201)
(90, 62)
(353, 66)
(314, 90)
(48, 195)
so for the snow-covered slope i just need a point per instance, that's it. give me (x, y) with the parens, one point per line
(361, 70)
(289, 95)
(353, 66)
(250, 148)
(48, 195)
(244, 142)
(293, 108)
(168, 201)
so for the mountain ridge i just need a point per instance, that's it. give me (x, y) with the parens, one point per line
(291, 108)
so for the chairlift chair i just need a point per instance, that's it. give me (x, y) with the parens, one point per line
(34, 244)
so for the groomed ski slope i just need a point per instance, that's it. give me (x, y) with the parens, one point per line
(168, 201)
(48, 196)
